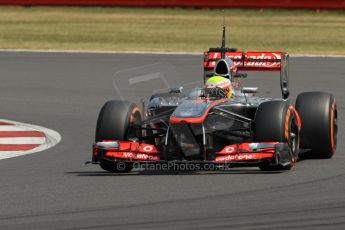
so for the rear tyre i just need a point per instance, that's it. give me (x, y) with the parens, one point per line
(318, 113)
(118, 120)
(276, 121)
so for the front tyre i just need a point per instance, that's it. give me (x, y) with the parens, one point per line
(276, 121)
(118, 120)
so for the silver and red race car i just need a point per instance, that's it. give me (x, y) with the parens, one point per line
(203, 127)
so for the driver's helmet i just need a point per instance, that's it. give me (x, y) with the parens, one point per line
(220, 82)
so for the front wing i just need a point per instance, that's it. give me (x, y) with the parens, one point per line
(236, 155)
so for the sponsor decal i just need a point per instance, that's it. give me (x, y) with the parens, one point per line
(148, 148)
(132, 156)
(235, 157)
(244, 157)
(128, 155)
(230, 149)
(250, 57)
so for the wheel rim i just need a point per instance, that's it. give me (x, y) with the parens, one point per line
(334, 128)
(293, 137)
(134, 130)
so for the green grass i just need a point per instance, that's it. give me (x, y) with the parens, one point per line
(125, 29)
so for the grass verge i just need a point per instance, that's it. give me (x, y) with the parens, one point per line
(147, 29)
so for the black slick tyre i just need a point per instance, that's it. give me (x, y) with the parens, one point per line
(118, 120)
(318, 113)
(276, 121)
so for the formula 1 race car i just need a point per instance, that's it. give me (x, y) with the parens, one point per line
(207, 127)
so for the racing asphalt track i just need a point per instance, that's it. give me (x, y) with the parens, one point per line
(53, 189)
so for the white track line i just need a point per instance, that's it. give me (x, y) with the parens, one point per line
(22, 140)
(145, 52)
(8, 154)
(13, 128)
(51, 139)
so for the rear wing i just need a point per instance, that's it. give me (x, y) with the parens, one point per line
(251, 61)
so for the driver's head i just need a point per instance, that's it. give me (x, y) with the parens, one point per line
(220, 82)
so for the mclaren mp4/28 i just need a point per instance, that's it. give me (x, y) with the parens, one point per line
(207, 126)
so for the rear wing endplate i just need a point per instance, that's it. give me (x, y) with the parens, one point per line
(252, 61)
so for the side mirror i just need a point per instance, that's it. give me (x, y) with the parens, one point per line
(246, 90)
(176, 89)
